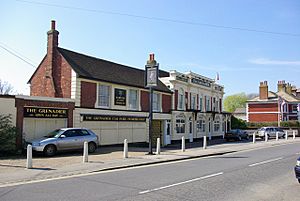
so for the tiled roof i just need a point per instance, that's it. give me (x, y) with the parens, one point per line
(272, 96)
(101, 70)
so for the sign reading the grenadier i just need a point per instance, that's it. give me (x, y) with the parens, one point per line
(120, 97)
(92, 117)
(39, 112)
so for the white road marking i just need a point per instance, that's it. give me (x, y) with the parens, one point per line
(180, 183)
(264, 162)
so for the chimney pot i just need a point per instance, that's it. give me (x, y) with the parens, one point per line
(53, 25)
(151, 57)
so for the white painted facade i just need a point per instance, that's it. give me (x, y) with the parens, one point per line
(7, 107)
(195, 116)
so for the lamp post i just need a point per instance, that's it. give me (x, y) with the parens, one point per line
(151, 79)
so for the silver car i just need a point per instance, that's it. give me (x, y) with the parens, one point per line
(66, 139)
(271, 132)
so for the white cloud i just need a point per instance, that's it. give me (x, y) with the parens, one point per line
(266, 61)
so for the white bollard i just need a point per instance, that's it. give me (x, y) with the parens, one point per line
(286, 135)
(204, 142)
(277, 135)
(266, 137)
(29, 157)
(85, 152)
(183, 144)
(294, 134)
(253, 138)
(125, 154)
(158, 146)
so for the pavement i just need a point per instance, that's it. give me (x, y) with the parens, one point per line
(13, 170)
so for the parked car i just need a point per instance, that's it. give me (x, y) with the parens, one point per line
(297, 169)
(236, 134)
(271, 132)
(65, 139)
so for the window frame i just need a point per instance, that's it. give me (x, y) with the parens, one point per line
(108, 95)
(129, 99)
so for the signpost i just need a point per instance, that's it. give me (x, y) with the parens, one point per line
(151, 80)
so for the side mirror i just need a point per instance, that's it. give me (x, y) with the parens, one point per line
(62, 136)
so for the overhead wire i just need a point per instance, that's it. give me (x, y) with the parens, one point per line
(162, 19)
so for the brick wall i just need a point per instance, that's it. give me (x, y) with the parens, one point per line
(271, 107)
(263, 117)
(56, 83)
(166, 103)
(144, 101)
(88, 94)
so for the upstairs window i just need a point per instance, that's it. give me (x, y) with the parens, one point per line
(208, 103)
(180, 99)
(133, 99)
(200, 103)
(103, 96)
(193, 101)
(156, 102)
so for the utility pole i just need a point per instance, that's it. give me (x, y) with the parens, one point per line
(151, 80)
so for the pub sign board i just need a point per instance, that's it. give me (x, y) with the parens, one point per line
(93, 117)
(41, 112)
(120, 97)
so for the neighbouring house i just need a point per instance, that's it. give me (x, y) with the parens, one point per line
(240, 113)
(197, 106)
(269, 106)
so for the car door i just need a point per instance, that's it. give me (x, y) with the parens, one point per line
(70, 141)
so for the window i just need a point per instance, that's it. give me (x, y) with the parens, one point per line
(193, 105)
(156, 102)
(217, 125)
(180, 99)
(294, 108)
(180, 125)
(200, 125)
(133, 99)
(103, 96)
(207, 103)
(201, 103)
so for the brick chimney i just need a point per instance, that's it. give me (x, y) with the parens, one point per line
(289, 88)
(281, 86)
(53, 70)
(263, 90)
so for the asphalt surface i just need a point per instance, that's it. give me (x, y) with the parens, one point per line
(262, 174)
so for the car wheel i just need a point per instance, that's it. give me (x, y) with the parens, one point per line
(50, 150)
(299, 180)
(240, 138)
(247, 137)
(92, 147)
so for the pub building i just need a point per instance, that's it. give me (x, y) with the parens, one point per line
(110, 98)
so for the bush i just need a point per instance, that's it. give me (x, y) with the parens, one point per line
(8, 135)
(284, 124)
(238, 123)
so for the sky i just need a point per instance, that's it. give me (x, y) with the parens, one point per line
(245, 42)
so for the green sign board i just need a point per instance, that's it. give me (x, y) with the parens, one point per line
(120, 97)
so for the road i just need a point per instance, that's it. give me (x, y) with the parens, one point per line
(261, 174)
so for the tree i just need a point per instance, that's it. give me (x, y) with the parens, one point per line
(6, 88)
(235, 101)
(8, 135)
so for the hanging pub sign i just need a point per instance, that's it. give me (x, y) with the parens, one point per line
(151, 69)
(120, 97)
(39, 112)
(93, 117)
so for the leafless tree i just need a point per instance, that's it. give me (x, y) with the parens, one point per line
(6, 88)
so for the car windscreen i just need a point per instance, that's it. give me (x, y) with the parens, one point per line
(56, 133)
